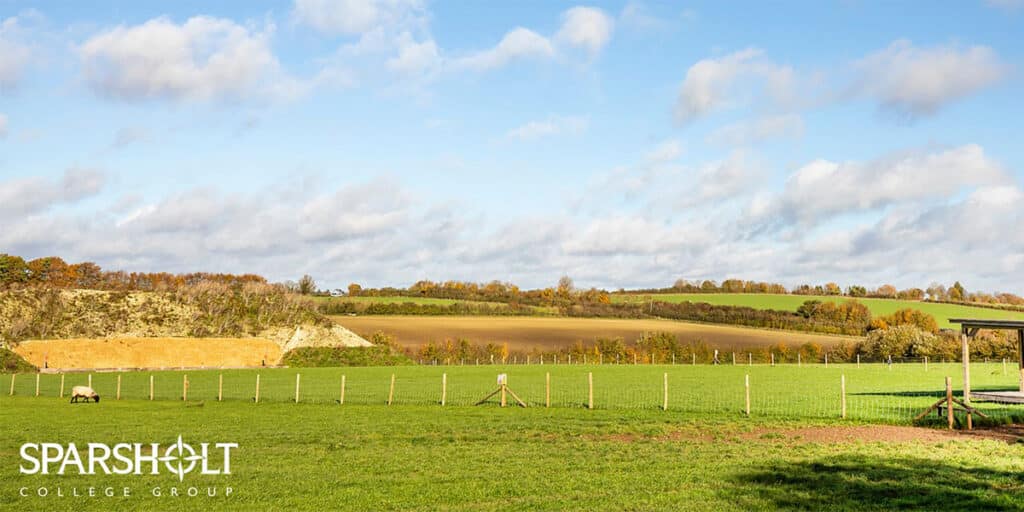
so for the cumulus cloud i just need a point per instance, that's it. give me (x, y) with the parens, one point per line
(14, 53)
(745, 133)
(518, 43)
(665, 152)
(588, 28)
(918, 82)
(715, 83)
(355, 17)
(415, 57)
(204, 58)
(20, 197)
(822, 188)
(552, 126)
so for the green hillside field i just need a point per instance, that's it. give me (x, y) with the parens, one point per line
(878, 307)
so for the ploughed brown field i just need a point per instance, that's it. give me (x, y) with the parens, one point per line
(149, 352)
(528, 333)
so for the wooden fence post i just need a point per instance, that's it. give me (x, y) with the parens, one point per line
(184, 387)
(90, 380)
(734, 358)
(1004, 365)
(634, 357)
(118, 386)
(151, 387)
(37, 383)
(693, 361)
(826, 359)
(949, 402)
(750, 359)
(391, 391)
(62, 385)
(664, 401)
(772, 354)
(444, 388)
(858, 360)
(297, 377)
(673, 358)
(842, 392)
(13, 375)
(257, 388)
(746, 388)
(504, 386)
(590, 392)
(926, 365)
(798, 360)
(547, 389)
(341, 398)
(220, 387)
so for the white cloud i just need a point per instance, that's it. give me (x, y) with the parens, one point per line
(355, 17)
(414, 57)
(518, 43)
(823, 188)
(14, 53)
(715, 83)
(744, 133)
(204, 58)
(552, 126)
(3, 126)
(586, 27)
(665, 152)
(918, 82)
(20, 197)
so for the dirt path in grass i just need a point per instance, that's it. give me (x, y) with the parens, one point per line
(840, 434)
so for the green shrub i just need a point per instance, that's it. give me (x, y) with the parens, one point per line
(11, 362)
(344, 356)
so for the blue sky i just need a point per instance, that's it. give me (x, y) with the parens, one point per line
(621, 143)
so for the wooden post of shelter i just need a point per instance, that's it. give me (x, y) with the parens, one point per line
(297, 377)
(341, 395)
(220, 387)
(391, 390)
(62, 385)
(184, 387)
(257, 399)
(444, 388)
(949, 401)
(37, 383)
(13, 375)
(150, 387)
(966, 358)
(118, 386)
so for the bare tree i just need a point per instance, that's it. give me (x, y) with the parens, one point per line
(307, 285)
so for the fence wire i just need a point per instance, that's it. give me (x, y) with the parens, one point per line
(874, 392)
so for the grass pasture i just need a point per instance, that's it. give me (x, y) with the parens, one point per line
(941, 312)
(544, 333)
(416, 455)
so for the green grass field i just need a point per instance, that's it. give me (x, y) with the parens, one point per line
(425, 457)
(878, 307)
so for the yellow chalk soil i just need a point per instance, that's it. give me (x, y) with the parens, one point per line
(149, 352)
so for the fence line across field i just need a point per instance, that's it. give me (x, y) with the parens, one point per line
(841, 391)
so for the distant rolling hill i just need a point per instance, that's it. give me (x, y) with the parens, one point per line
(878, 307)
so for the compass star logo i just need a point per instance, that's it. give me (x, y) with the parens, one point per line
(176, 453)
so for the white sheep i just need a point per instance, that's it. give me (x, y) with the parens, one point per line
(84, 392)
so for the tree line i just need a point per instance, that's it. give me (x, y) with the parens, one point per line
(53, 272)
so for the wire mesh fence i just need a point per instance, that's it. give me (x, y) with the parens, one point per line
(875, 392)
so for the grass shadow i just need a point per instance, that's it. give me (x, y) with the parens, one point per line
(873, 483)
